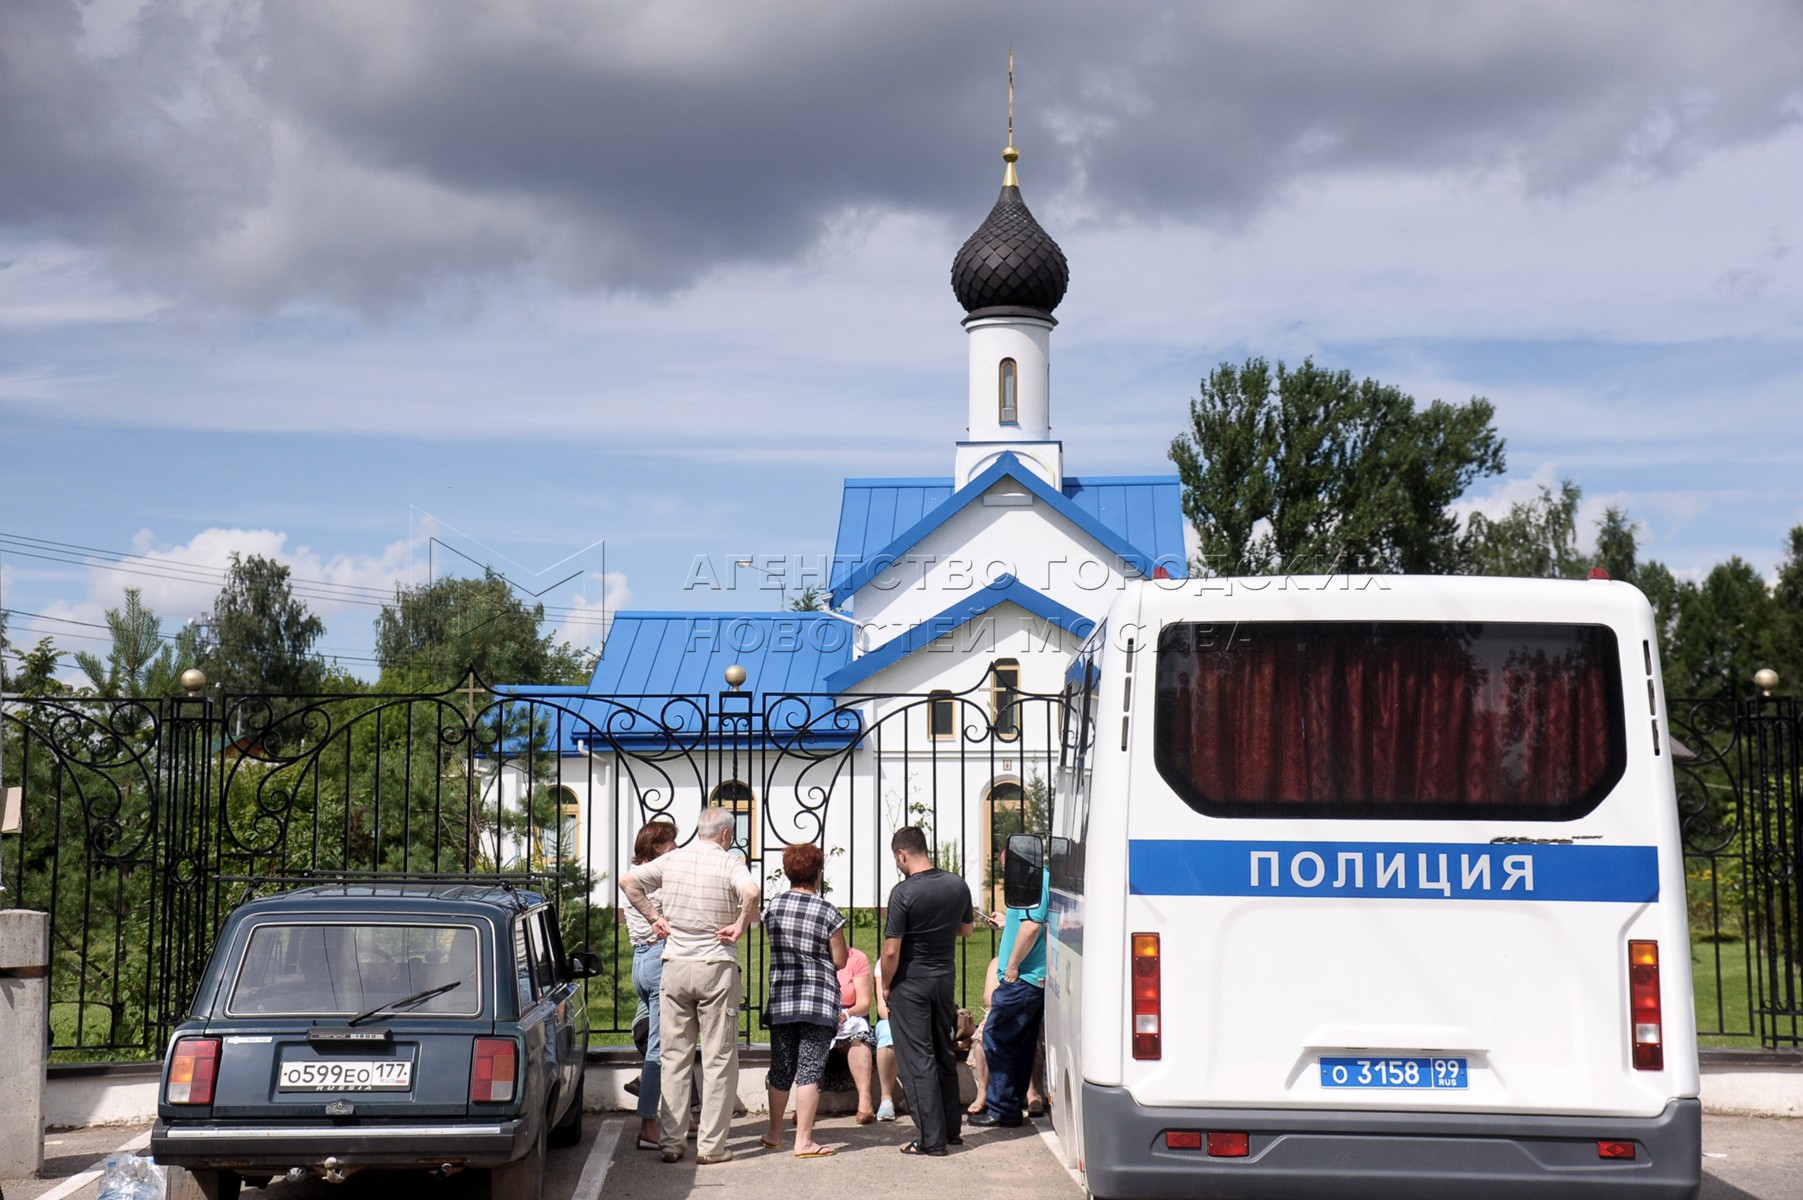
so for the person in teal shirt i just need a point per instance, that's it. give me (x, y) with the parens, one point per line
(1016, 1011)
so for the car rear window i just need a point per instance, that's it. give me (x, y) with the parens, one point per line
(330, 969)
(1390, 720)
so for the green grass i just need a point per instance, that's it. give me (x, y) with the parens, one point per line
(1724, 1015)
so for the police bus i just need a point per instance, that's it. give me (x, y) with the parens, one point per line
(1369, 888)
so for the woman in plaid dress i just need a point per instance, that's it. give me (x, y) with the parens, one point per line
(806, 936)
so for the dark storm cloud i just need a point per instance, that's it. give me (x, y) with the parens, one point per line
(369, 154)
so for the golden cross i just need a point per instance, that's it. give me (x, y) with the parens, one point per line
(1009, 178)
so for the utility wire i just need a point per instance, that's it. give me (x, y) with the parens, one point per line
(152, 567)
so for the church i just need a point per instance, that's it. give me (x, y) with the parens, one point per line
(928, 692)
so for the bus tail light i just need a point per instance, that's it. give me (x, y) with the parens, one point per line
(193, 1066)
(1148, 1041)
(1643, 1006)
(492, 1069)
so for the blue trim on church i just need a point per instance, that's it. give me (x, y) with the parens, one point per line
(1137, 518)
(1005, 590)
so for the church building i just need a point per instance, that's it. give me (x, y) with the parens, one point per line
(928, 694)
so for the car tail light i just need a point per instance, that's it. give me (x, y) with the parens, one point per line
(1148, 1042)
(1228, 1145)
(492, 1070)
(1183, 1139)
(1643, 1006)
(1615, 1150)
(193, 1065)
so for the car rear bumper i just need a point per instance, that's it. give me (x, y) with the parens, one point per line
(272, 1148)
(1387, 1155)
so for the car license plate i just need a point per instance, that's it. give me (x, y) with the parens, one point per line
(347, 1075)
(1394, 1073)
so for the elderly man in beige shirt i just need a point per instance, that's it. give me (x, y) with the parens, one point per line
(707, 898)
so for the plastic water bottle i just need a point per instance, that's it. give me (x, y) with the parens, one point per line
(129, 1177)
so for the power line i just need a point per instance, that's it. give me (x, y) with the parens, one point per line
(152, 567)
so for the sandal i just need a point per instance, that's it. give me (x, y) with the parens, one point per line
(823, 1152)
(914, 1148)
(767, 1144)
(866, 1117)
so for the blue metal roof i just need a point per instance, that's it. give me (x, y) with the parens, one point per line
(1006, 589)
(1138, 516)
(875, 511)
(1110, 507)
(664, 671)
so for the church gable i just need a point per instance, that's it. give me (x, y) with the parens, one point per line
(1137, 522)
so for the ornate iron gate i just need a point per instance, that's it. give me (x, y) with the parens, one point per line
(1739, 787)
(145, 820)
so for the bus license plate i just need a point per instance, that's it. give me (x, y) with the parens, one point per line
(347, 1075)
(1394, 1073)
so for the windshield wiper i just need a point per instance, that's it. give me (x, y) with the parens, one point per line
(416, 998)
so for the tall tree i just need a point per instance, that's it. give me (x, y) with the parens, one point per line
(1720, 637)
(263, 635)
(140, 661)
(1786, 641)
(1537, 539)
(36, 672)
(430, 635)
(1309, 470)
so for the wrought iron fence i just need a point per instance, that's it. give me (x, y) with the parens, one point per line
(144, 821)
(1739, 787)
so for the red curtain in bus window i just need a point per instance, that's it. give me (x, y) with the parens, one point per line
(1393, 719)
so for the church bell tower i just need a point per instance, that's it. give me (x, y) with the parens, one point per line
(1009, 276)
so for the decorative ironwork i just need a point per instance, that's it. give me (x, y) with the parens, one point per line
(142, 818)
(1738, 779)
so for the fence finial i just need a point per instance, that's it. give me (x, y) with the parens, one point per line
(1765, 679)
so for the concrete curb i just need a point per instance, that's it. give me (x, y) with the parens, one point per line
(128, 1094)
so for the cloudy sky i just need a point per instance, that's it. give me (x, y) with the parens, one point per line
(588, 290)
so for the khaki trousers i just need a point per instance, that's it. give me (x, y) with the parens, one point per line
(700, 1008)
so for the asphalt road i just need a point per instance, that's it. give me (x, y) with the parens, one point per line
(1745, 1158)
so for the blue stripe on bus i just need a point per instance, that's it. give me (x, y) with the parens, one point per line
(1394, 870)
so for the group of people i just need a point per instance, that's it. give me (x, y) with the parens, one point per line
(894, 1020)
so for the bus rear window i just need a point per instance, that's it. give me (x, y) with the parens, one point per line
(1390, 720)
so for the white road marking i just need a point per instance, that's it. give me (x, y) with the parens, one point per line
(600, 1159)
(75, 1183)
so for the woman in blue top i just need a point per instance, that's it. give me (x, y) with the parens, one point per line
(806, 936)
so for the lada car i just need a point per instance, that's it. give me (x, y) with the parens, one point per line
(394, 1026)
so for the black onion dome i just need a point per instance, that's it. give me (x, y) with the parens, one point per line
(1010, 262)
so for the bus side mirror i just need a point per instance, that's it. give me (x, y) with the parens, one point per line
(1023, 863)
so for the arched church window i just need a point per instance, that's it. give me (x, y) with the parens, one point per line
(1009, 392)
(736, 798)
(1004, 698)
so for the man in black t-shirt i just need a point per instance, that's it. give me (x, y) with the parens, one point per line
(929, 910)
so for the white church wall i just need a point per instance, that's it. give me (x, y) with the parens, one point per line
(1029, 343)
(983, 541)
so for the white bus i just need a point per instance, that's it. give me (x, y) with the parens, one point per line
(1369, 888)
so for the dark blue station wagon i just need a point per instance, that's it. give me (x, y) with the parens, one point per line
(394, 1026)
